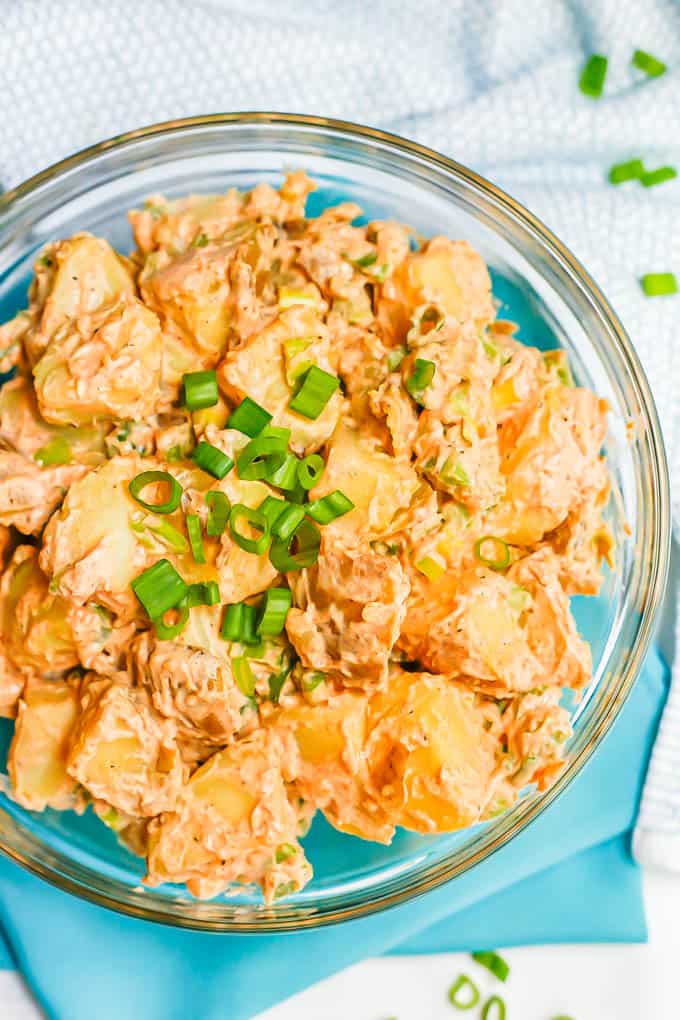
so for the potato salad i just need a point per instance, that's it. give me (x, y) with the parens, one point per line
(289, 523)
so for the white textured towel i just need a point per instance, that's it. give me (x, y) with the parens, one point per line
(493, 83)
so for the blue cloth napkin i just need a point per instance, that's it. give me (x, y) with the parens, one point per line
(74, 954)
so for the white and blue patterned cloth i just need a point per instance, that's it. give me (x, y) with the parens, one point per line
(489, 82)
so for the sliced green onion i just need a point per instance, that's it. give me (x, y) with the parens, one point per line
(649, 64)
(57, 451)
(630, 171)
(243, 675)
(659, 284)
(211, 460)
(310, 470)
(277, 602)
(169, 631)
(395, 358)
(218, 513)
(310, 681)
(272, 508)
(195, 537)
(365, 260)
(420, 378)
(159, 588)
(200, 241)
(203, 593)
(244, 515)
(299, 551)
(284, 853)
(431, 568)
(248, 418)
(289, 297)
(277, 680)
(138, 484)
(329, 507)
(232, 622)
(493, 962)
(168, 534)
(496, 1004)
(650, 178)
(253, 461)
(249, 625)
(297, 494)
(454, 474)
(287, 521)
(591, 82)
(463, 984)
(499, 562)
(282, 472)
(200, 390)
(316, 390)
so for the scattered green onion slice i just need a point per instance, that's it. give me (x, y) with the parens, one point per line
(218, 513)
(310, 681)
(277, 602)
(169, 631)
(461, 983)
(195, 537)
(420, 378)
(200, 390)
(329, 507)
(212, 460)
(204, 593)
(286, 522)
(168, 534)
(591, 82)
(430, 567)
(272, 508)
(232, 622)
(138, 484)
(277, 680)
(395, 358)
(650, 178)
(244, 515)
(366, 260)
(253, 461)
(249, 625)
(200, 241)
(159, 588)
(454, 474)
(630, 171)
(494, 1009)
(282, 472)
(659, 284)
(499, 562)
(310, 470)
(57, 451)
(316, 390)
(243, 675)
(493, 962)
(300, 550)
(285, 852)
(248, 418)
(649, 64)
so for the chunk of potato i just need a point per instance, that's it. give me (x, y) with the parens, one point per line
(29, 494)
(39, 748)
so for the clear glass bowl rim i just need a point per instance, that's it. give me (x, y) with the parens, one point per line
(209, 915)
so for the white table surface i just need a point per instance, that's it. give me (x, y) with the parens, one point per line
(583, 982)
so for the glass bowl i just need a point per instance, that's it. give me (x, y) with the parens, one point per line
(540, 285)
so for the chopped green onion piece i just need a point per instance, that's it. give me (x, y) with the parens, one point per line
(562, 1016)
(285, 852)
(420, 379)
(591, 82)
(159, 588)
(218, 513)
(244, 515)
(329, 507)
(200, 390)
(431, 568)
(277, 680)
(651, 178)
(495, 1004)
(212, 593)
(282, 472)
(45, 261)
(659, 284)
(203, 593)
(243, 675)
(249, 625)
(169, 631)
(195, 537)
(630, 171)
(310, 469)
(316, 390)
(248, 418)
(289, 297)
(277, 602)
(493, 962)
(272, 508)
(253, 461)
(463, 983)
(200, 241)
(499, 562)
(285, 889)
(168, 534)
(365, 260)
(310, 681)
(490, 349)
(286, 522)
(211, 460)
(454, 474)
(232, 622)
(297, 494)
(57, 451)
(649, 64)
(299, 551)
(138, 484)
(395, 358)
